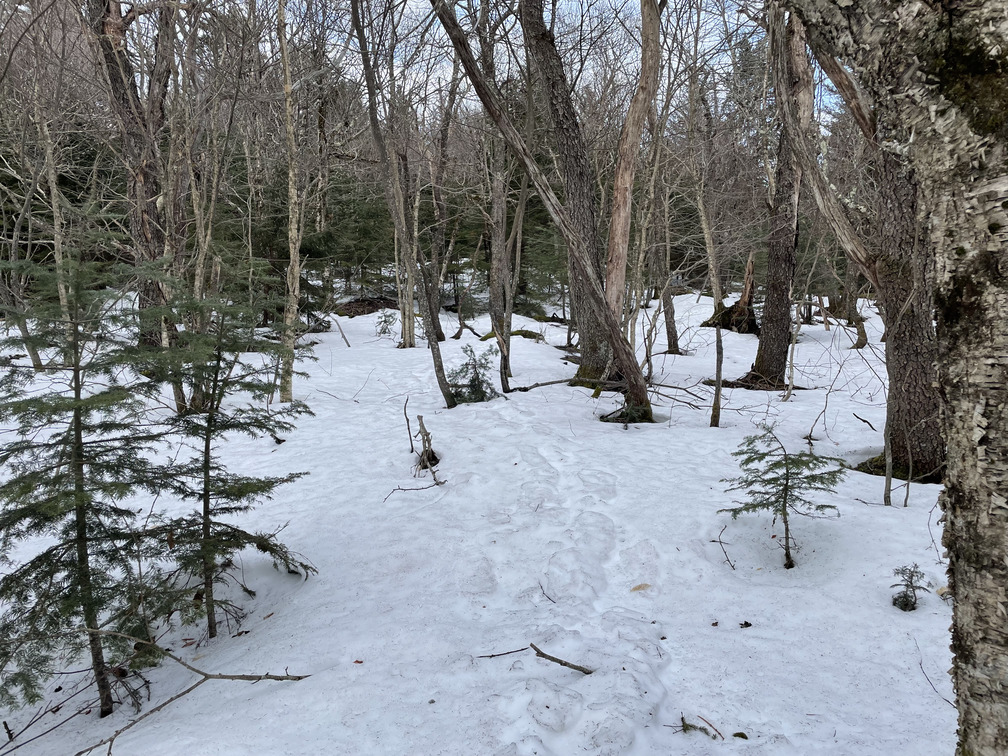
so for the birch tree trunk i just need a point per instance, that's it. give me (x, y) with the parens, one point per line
(293, 293)
(937, 72)
(626, 155)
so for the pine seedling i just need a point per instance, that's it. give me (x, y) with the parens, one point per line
(781, 482)
(911, 580)
(470, 381)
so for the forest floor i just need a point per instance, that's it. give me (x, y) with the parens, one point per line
(600, 544)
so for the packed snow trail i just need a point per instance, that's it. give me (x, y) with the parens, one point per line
(597, 543)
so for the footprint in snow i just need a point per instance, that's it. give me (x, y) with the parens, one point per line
(572, 576)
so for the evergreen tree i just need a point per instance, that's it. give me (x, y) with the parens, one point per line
(232, 365)
(779, 481)
(78, 448)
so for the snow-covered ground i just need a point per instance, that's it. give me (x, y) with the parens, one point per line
(595, 542)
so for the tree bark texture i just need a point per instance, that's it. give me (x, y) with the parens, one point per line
(579, 186)
(775, 331)
(937, 72)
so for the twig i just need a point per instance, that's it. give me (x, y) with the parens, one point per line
(546, 594)
(727, 558)
(920, 664)
(711, 726)
(934, 545)
(863, 421)
(409, 430)
(506, 653)
(364, 384)
(420, 488)
(540, 653)
(345, 341)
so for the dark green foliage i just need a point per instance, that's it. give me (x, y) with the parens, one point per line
(85, 438)
(911, 581)
(780, 482)
(77, 447)
(229, 367)
(470, 381)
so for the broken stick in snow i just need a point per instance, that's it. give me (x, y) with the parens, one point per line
(542, 654)
(428, 457)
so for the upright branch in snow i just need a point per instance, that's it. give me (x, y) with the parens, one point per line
(780, 482)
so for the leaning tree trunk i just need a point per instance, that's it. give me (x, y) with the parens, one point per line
(936, 72)
(638, 403)
(579, 185)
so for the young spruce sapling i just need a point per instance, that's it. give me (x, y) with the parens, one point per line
(780, 481)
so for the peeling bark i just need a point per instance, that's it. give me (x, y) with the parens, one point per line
(937, 76)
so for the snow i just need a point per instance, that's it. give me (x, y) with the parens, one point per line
(597, 543)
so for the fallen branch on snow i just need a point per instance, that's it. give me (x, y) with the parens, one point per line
(543, 655)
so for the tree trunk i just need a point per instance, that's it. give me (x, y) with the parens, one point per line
(638, 404)
(906, 280)
(395, 167)
(579, 185)
(938, 75)
(671, 332)
(85, 588)
(626, 156)
(900, 282)
(140, 122)
(775, 331)
(289, 334)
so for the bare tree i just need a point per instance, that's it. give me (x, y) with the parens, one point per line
(401, 197)
(576, 219)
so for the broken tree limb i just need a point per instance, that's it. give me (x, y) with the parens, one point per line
(542, 654)
(204, 677)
